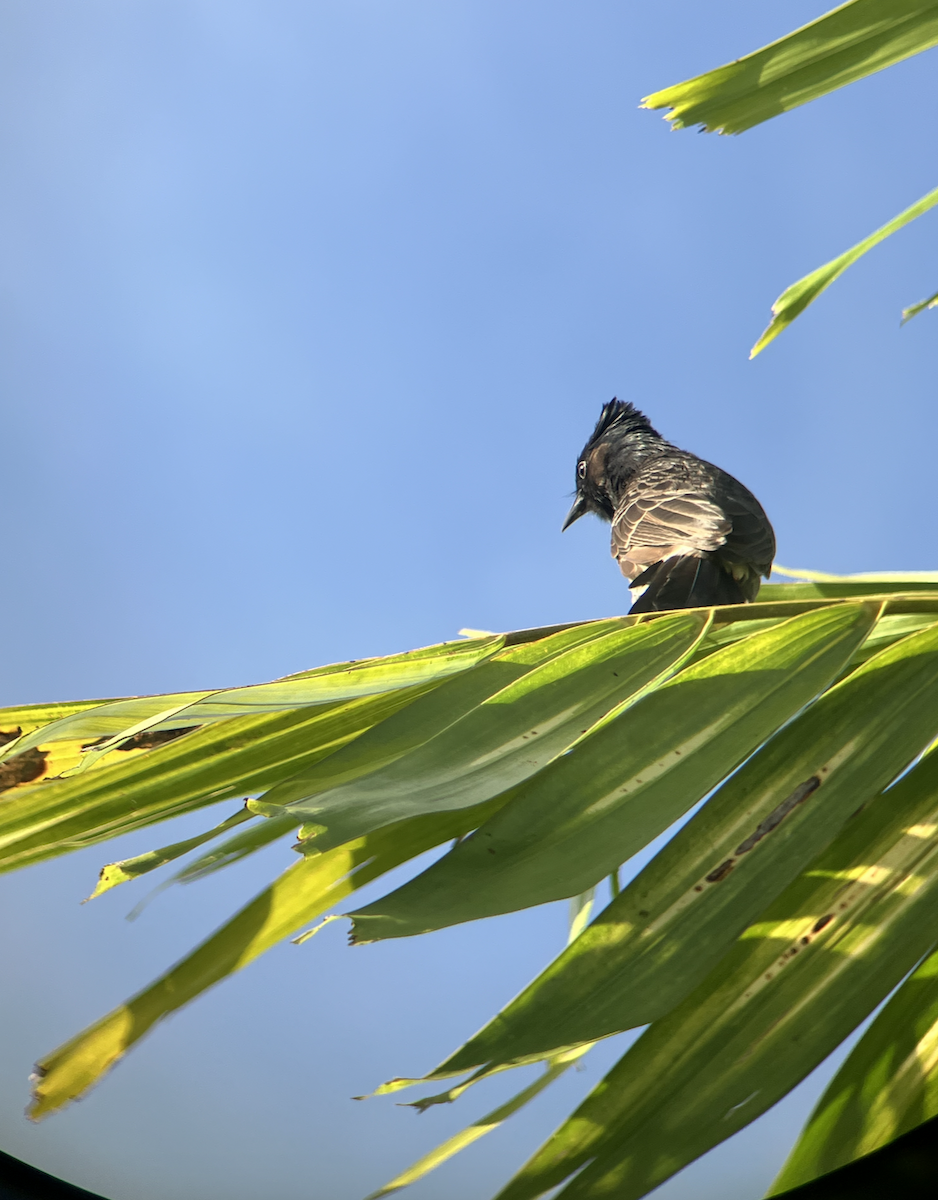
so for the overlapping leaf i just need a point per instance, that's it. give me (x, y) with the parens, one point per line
(887, 1086)
(799, 979)
(580, 908)
(115, 720)
(224, 760)
(631, 657)
(227, 754)
(302, 892)
(554, 699)
(597, 805)
(391, 774)
(676, 919)
(396, 723)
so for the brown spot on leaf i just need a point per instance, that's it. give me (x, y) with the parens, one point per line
(721, 871)
(9, 735)
(22, 768)
(779, 813)
(822, 921)
(148, 739)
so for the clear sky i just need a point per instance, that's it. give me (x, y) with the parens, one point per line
(307, 308)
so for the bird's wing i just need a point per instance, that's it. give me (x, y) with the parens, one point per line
(663, 517)
(752, 541)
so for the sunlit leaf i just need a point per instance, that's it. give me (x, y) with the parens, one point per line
(657, 940)
(554, 699)
(302, 892)
(118, 719)
(913, 579)
(887, 1086)
(844, 45)
(256, 836)
(597, 805)
(218, 762)
(487, 1124)
(415, 750)
(914, 309)
(799, 979)
(796, 298)
(554, 1067)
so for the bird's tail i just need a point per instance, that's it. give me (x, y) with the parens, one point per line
(685, 581)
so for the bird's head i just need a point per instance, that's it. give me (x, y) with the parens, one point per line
(606, 459)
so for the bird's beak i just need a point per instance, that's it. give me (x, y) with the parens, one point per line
(580, 506)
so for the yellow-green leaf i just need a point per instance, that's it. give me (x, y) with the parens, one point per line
(796, 298)
(845, 44)
(594, 807)
(552, 702)
(914, 309)
(132, 868)
(799, 979)
(487, 1124)
(118, 719)
(887, 1086)
(218, 762)
(665, 931)
(303, 891)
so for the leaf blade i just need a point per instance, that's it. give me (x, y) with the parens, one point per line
(302, 892)
(675, 920)
(797, 296)
(914, 309)
(887, 1086)
(510, 735)
(846, 44)
(591, 809)
(218, 762)
(335, 684)
(810, 969)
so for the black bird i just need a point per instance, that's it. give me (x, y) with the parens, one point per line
(688, 533)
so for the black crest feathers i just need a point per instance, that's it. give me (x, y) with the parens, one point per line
(620, 412)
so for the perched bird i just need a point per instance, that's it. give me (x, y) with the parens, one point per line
(683, 530)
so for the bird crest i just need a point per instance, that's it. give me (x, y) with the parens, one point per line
(619, 412)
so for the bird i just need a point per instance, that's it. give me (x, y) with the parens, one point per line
(685, 533)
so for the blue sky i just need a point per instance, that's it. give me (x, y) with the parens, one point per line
(307, 309)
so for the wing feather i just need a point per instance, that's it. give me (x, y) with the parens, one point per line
(682, 505)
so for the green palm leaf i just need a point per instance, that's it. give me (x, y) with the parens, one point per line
(554, 700)
(887, 1086)
(846, 44)
(798, 980)
(796, 298)
(824, 690)
(597, 805)
(679, 916)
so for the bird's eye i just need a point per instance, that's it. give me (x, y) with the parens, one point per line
(581, 470)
